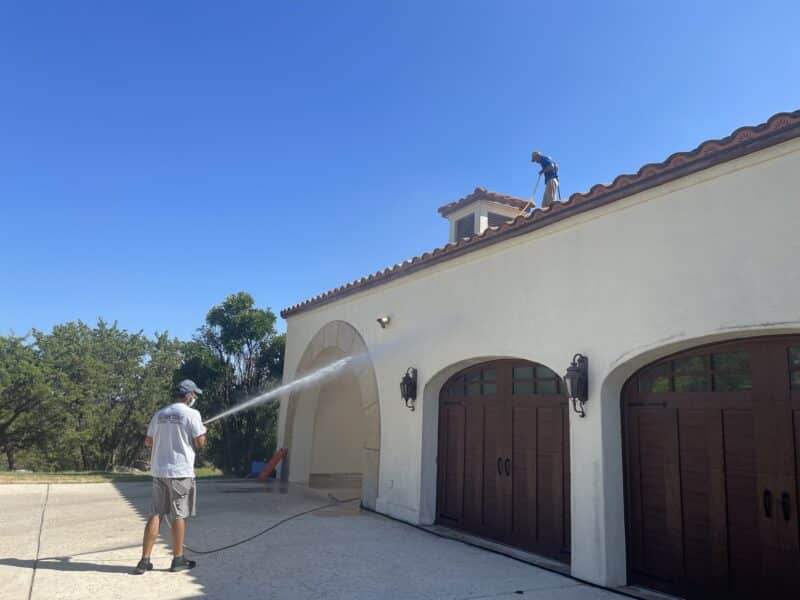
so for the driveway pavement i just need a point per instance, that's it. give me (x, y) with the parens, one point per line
(79, 541)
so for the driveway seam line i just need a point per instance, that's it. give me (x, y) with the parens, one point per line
(39, 541)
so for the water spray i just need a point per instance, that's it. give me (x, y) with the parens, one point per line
(332, 369)
(274, 394)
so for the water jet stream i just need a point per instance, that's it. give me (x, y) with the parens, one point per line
(317, 376)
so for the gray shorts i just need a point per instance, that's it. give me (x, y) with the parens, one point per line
(174, 497)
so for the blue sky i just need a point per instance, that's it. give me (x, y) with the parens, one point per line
(157, 156)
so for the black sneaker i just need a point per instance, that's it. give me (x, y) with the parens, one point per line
(144, 565)
(181, 563)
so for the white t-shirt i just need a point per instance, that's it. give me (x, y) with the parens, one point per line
(173, 430)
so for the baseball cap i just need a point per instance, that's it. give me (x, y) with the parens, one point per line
(186, 386)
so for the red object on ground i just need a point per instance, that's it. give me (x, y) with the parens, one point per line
(270, 466)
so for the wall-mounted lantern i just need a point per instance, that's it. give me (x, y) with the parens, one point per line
(577, 380)
(408, 387)
(384, 321)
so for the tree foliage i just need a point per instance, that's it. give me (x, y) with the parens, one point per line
(109, 382)
(80, 397)
(236, 355)
(28, 412)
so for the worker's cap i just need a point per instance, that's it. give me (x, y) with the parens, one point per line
(186, 386)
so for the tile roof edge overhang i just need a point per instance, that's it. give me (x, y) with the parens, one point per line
(779, 128)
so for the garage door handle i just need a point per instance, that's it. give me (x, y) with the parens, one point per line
(767, 504)
(508, 466)
(500, 466)
(786, 506)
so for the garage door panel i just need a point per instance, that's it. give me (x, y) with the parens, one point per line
(550, 477)
(742, 495)
(473, 468)
(496, 517)
(703, 496)
(525, 518)
(452, 475)
(660, 543)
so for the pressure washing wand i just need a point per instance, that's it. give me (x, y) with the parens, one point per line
(533, 196)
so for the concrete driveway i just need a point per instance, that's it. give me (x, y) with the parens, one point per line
(76, 541)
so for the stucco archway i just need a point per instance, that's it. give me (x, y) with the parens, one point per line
(332, 430)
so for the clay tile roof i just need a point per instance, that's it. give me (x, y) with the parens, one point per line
(482, 194)
(745, 140)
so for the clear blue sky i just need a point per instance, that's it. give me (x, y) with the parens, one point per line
(157, 156)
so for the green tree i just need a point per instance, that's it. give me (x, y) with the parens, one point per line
(109, 383)
(27, 408)
(237, 354)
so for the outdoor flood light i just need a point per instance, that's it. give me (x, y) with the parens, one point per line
(383, 321)
(408, 387)
(577, 380)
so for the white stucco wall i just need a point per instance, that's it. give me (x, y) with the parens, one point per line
(338, 428)
(711, 256)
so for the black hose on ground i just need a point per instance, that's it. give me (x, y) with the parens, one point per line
(336, 502)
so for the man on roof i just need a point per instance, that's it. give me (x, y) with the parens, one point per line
(550, 170)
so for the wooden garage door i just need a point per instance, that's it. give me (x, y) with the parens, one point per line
(503, 462)
(712, 448)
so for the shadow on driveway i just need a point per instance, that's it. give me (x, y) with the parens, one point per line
(91, 539)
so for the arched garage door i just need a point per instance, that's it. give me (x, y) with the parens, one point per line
(712, 447)
(503, 465)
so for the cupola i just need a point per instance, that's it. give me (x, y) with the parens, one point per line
(480, 210)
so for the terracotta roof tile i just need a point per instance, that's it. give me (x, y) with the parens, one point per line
(482, 194)
(778, 128)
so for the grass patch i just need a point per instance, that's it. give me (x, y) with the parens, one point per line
(93, 476)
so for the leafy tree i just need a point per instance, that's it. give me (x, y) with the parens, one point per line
(26, 399)
(109, 383)
(81, 397)
(237, 354)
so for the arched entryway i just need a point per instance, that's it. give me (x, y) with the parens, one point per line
(711, 454)
(332, 429)
(503, 456)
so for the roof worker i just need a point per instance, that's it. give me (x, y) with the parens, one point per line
(550, 170)
(174, 434)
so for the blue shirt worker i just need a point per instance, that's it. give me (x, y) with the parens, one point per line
(550, 170)
(174, 434)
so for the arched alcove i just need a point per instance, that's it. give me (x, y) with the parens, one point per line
(332, 429)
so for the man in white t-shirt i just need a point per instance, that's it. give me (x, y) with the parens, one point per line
(174, 434)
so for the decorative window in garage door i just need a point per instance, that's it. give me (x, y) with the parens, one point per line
(535, 379)
(478, 382)
(794, 366)
(718, 372)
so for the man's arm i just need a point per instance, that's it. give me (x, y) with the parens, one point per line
(148, 441)
(200, 441)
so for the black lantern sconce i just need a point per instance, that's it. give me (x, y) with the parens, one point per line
(408, 387)
(577, 380)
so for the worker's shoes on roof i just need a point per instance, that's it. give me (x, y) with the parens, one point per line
(144, 565)
(181, 563)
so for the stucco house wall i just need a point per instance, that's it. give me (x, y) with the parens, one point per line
(707, 257)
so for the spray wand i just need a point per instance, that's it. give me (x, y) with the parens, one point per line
(532, 201)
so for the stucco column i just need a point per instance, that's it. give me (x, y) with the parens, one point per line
(598, 518)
